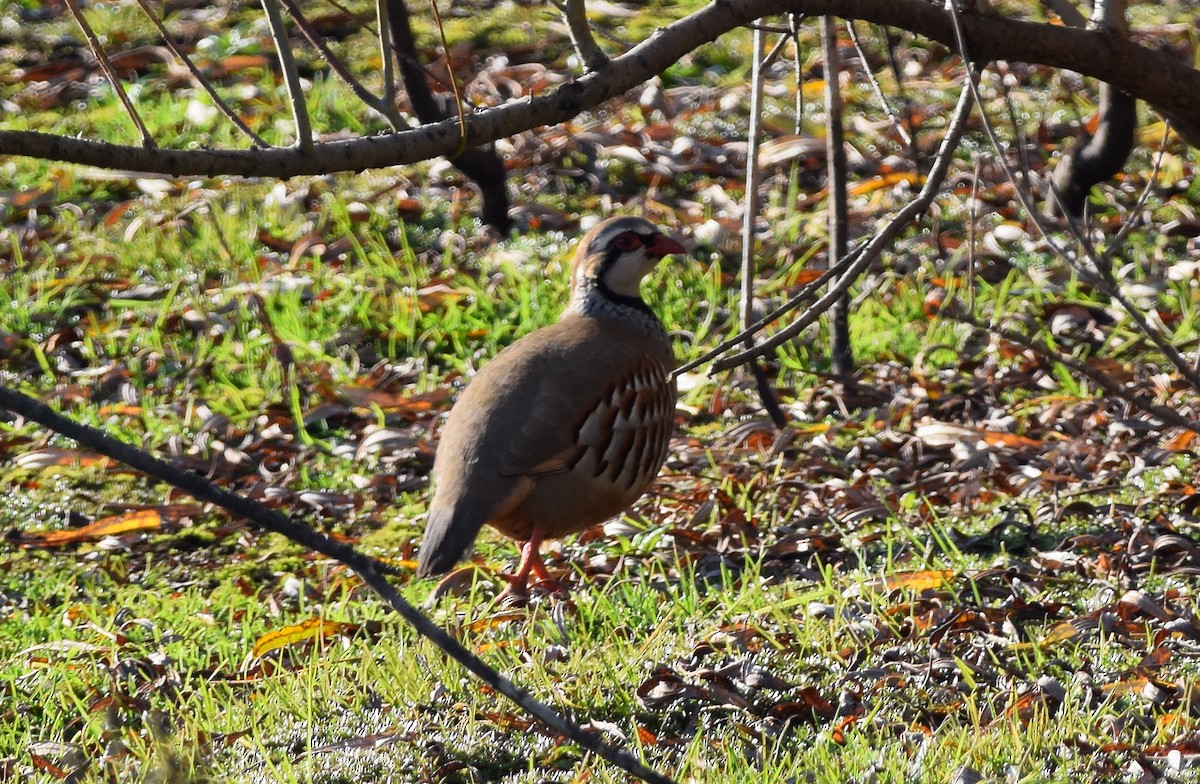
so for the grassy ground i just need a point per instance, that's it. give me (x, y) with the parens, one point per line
(962, 564)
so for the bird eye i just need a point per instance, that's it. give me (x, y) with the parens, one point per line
(627, 241)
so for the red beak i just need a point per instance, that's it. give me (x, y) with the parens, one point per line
(662, 245)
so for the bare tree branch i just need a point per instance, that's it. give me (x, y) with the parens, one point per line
(476, 159)
(897, 124)
(291, 78)
(1101, 272)
(848, 269)
(338, 67)
(366, 568)
(386, 55)
(107, 66)
(1167, 415)
(1135, 213)
(1159, 78)
(766, 394)
(840, 354)
(575, 14)
(199, 78)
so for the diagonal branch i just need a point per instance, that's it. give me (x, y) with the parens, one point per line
(338, 67)
(849, 269)
(575, 14)
(291, 77)
(1168, 415)
(199, 78)
(107, 66)
(897, 123)
(1101, 272)
(271, 520)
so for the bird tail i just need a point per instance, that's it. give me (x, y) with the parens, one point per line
(446, 541)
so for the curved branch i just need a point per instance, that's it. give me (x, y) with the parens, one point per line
(365, 567)
(1158, 78)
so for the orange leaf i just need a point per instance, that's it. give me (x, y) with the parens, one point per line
(141, 520)
(493, 621)
(436, 294)
(312, 630)
(120, 410)
(919, 581)
(238, 62)
(1134, 685)
(804, 277)
(407, 405)
(886, 181)
(1181, 442)
(1008, 439)
(1060, 632)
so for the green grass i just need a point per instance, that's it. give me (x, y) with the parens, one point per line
(767, 614)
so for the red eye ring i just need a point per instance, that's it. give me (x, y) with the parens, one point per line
(627, 241)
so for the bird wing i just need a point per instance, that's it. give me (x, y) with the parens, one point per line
(600, 413)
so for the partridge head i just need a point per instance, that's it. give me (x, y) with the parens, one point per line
(569, 425)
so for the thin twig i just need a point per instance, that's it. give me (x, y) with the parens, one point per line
(794, 21)
(458, 100)
(107, 66)
(841, 356)
(200, 79)
(575, 15)
(1102, 277)
(387, 56)
(776, 52)
(291, 76)
(1114, 245)
(359, 19)
(972, 236)
(271, 520)
(1019, 185)
(766, 393)
(848, 269)
(901, 131)
(338, 67)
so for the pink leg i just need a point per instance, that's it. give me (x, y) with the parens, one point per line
(531, 561)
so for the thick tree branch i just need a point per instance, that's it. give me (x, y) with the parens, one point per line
(1159, 78)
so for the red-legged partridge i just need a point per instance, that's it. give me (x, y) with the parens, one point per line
(569, 425)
